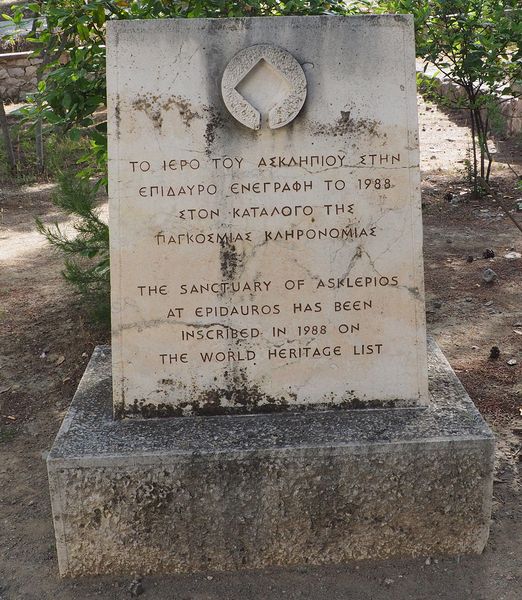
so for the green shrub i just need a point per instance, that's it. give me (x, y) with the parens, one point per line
(62, 153)
(87, 251)
(477, 44)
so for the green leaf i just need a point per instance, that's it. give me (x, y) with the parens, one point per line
(74, 134)
(66, 100)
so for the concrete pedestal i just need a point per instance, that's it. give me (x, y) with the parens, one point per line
(233, 492)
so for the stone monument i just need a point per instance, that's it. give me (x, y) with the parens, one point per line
(273, 399)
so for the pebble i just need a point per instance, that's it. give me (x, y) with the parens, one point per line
(489, 303)
(468, 299)
(136, 587)
(512, 362)
(494, 353)
(489, 275)
(488, 253)
(470, 259)
(512, 255)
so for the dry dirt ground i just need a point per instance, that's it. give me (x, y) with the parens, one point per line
(45, 343)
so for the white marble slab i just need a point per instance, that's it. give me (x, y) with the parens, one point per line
(266, 240)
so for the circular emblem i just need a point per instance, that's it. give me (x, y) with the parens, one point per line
(264, 86)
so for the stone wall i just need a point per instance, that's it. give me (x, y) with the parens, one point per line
(510, 107)
(17, 75)
(511, 110)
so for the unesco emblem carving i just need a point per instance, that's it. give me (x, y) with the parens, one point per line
(264, 86)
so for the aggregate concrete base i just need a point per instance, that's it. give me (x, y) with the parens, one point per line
(233, 492)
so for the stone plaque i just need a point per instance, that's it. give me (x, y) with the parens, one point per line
(266, 241)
